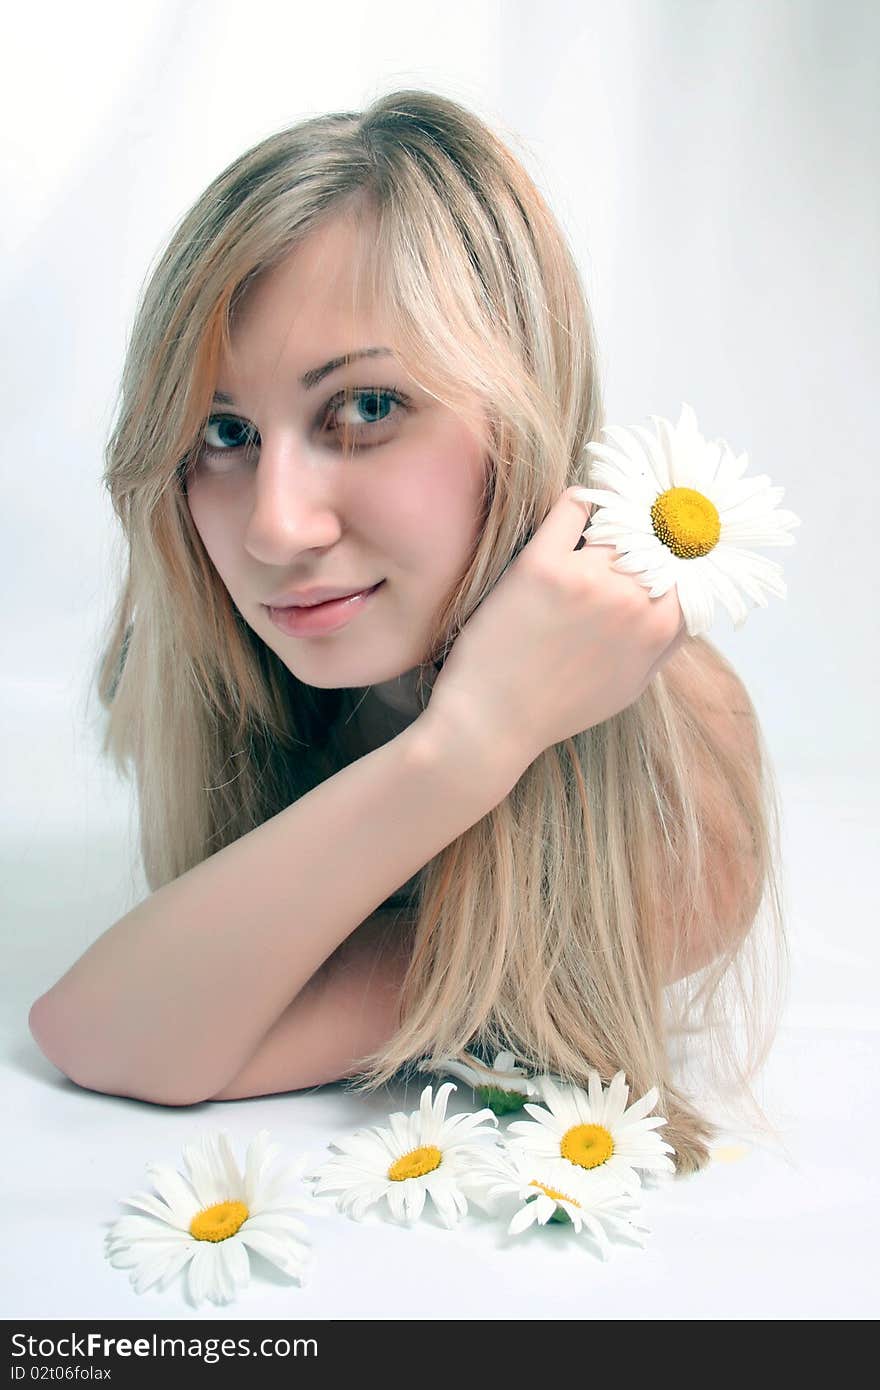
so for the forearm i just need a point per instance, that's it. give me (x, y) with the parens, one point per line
(169, 1003)
(349, 1007)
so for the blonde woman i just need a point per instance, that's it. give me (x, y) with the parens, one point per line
(498, 799)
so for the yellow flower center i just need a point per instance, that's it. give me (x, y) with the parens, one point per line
(416, 1163)
(551, 1192)
(587, 1145)
(686, 521)
(219, 1222)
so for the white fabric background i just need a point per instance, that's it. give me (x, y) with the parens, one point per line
(714, 164)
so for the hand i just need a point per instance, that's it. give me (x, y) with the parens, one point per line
(562, 642)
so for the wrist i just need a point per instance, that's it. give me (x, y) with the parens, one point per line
(475, 756)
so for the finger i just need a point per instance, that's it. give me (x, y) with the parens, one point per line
(565, 522)
(669, 651)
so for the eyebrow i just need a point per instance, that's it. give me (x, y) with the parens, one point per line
(316, 375)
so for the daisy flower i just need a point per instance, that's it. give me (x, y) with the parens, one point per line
(680, 512)
(422, 1154)
(207, 1222)
(503, 1086)
(548, 1189)
(595, 1130)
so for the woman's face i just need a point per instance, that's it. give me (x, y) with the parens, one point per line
(293, 513)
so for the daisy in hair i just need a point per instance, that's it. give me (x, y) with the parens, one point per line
(680, 511)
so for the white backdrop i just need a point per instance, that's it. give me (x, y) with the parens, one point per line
(715, 166)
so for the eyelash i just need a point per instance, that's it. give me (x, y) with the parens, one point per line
(340, 399)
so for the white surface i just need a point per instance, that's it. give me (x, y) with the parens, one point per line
(773, 1234)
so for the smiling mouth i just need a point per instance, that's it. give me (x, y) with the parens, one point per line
(321, 617)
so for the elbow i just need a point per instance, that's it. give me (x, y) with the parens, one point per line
(43, 1022)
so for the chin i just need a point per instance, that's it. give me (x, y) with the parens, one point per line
(352, 675)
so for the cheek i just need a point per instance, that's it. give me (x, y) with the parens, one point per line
(213, 525)
(438, 515)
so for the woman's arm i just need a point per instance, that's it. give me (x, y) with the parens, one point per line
(349, 1007)
(171, 1002)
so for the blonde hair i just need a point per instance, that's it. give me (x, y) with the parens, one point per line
(538, 929)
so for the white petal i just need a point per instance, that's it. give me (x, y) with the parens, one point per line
(615, 1100)
(537, 1142)
(459, 1069)
(697, 605)
(258, 1161)
(414, 1199)
(629, 444)
(433, 1114)
(638, 562)
(655, 456)
(277, 1223)
(160, 1265)
(444, 1198)
(278, 1198)
(642, 1107)
(174, 1190)
(601, 497)
(397, 1199)
(144, 1201)
(553, 1107)
(615, 458)
(545, 1207)
(224, 1285)
(596, 1094)
(595, 1227)
(174, 1265)
(643, 1126)
(128, 1254)
(285, 1253)
(143, 1230)
(200, 1271)
(227, 1175)
(238, 1265)
(204, 1171)
(523, 1218)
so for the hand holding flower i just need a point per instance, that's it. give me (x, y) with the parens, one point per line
(563, 642)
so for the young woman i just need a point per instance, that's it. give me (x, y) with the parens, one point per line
(500, 799)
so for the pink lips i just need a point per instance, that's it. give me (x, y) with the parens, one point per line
(308, 598)
(328, 616)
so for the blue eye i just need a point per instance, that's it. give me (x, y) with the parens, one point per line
(225, 424)
(367, 401)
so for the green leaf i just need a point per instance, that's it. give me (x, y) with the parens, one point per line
(501, 1102)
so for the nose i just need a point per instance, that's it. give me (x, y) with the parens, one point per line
(294, 507)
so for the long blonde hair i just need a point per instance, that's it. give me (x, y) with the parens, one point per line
(539, 928)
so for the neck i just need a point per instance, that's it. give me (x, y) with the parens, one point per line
(377, 713)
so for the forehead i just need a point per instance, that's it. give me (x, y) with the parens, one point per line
(315, 298)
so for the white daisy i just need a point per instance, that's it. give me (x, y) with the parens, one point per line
(549, 1189)
(595, 1130)
(503, 1086)
(207, 1223)
(680, 512)
(421, 1154)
